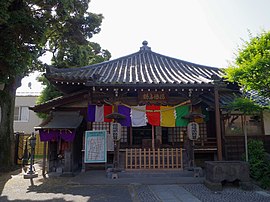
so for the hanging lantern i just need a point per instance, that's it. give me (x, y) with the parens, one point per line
(193, 131)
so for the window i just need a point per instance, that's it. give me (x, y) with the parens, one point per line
(21, 114)
(124, 134)
(106, 126)
(234, 125)
(173, 134)
(176, 134)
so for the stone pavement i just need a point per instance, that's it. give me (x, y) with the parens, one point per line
(98, 177)
(130, 187)
(171, 193)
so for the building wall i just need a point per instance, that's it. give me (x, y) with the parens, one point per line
(26, 126)
(266, 119)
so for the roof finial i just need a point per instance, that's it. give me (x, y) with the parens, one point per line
(145, 47)
(145, 43)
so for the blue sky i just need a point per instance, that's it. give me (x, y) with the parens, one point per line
(206, 32)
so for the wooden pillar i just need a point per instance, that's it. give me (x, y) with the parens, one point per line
(116, 142)
(89, 126)
(153, 137)
(44, 159)
(130, 136)
(83, 152)
(218, 128)
(173, 137)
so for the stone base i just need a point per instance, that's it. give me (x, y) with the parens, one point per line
(30, 176)
(214, 186)
(218, 173)
(67, 174)
(198, 172)
(114, 176)
(246, 186)
(59, 170)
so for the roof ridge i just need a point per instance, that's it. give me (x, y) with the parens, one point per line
(145, 49)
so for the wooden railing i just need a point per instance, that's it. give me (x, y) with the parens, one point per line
(169, 158)
(235, 145)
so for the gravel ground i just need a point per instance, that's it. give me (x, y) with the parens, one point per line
(143, 193)
(228, 194)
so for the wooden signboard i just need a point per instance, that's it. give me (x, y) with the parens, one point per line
(116, 131)
(95, 146)
(153, 96)
(193, 131)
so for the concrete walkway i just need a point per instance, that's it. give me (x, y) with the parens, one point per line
(99, 177)
(173, 193)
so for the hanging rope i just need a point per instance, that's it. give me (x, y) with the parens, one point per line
(134, 107)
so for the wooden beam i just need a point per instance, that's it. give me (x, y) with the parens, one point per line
(218, 128)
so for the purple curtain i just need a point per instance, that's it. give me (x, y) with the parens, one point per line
(53, 134)
(91, 113)
(125, 111)
(67, 135)
(48, 134)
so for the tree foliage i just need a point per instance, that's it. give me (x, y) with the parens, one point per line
(244, 105)
(247, 107)
(259, 164)
(71, 55)
(252, 65)
(71, 46)
(29, 28)
(76, 55)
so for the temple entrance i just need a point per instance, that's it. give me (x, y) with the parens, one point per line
(142, 136)
(165, 158)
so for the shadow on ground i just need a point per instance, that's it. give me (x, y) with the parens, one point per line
(5, 176)
(5, 199)
(15, 188)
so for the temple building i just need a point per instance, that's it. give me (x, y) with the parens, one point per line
(141, 111)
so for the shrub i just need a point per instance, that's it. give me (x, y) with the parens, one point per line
(259, 165)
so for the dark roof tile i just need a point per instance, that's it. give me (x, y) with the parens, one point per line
(143, 67)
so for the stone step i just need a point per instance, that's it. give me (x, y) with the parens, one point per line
(146, 174)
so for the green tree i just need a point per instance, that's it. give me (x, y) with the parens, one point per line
(29, 28)
(259, 163)
(245, 106)
(71, 55)
(252, 65)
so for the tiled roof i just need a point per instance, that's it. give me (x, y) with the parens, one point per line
(260, 100)
(143, 67)
(226, 97)
(59, 101)
(62, 120)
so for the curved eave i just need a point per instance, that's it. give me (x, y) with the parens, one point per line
(141, 68)
(59, 101)
(147, 85)
(80, 84)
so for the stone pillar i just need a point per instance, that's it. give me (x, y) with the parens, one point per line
(68, 162)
